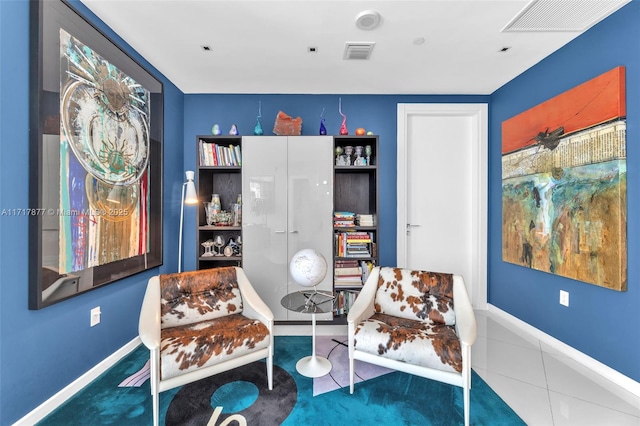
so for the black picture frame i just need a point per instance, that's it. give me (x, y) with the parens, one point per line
(133, 170)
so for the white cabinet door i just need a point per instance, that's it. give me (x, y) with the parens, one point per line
(287, 189)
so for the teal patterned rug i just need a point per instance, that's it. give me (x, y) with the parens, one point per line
(387, 398)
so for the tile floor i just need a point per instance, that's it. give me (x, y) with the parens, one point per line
(543, 386)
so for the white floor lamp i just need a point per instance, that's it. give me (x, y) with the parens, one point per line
(191, 198)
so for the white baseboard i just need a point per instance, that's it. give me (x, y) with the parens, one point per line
(608, 373)
(67, 392)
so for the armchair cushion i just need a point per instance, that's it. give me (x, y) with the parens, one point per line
(190, 347)
(412, 341)
(189, 297)
(416, 295)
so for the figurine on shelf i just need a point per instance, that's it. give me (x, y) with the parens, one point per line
(207, 248)
(216, 130)
(258, 129)
(367, 152)
(234, 130)
(323, 129)
(343, 126)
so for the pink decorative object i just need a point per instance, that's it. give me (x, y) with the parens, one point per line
(343, 126)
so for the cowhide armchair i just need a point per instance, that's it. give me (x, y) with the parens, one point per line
(201, 323)
(417, 322)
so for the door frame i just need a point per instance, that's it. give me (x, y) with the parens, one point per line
(477, 284)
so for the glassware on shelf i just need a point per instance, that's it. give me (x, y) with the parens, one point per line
(236, 209)
(339, 158)
(218, 241)
(215, 200)
(367, 152)
(359, 161)
(348, 151)
(209, 211)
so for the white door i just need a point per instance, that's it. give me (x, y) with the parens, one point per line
(442, 191)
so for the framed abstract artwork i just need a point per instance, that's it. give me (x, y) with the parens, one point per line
(564, 184)
(96, 135)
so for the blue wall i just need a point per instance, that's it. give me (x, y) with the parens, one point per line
(377, 113)
(604, 324)
(43, 351)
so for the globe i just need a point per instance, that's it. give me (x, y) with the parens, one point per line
(308, 267)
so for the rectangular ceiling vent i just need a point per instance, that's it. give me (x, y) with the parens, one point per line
(562, 15)
(358, 50)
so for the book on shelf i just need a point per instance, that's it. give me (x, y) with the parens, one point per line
(343, 301)
(365, 220)
(212, 154)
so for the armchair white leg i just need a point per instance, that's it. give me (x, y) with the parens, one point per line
(270, 371)
(351, 365)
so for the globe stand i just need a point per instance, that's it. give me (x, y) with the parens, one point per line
(309, 302)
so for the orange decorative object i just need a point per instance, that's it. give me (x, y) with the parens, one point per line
(286, 125)
(360, 131)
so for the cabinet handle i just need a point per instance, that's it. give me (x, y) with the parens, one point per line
(278, 232)
(293, 232)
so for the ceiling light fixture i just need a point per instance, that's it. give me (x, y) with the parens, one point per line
(418, 41)
(368, 20)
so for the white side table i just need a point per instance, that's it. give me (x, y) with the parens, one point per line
(311, 302)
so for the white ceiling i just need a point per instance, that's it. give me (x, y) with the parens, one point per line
(262, 46)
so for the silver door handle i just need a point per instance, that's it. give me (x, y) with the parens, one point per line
(278, 232)
(293, 232)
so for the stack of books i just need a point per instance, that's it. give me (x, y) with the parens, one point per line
(365, 220)
(347, 273)
(344, 219)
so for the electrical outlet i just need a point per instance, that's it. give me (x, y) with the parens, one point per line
(564, 298)
(95, 316)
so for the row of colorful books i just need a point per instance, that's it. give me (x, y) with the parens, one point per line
(343, 302)
(212, 154)
(353, 244)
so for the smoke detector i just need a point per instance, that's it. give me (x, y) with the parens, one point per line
(368, 20)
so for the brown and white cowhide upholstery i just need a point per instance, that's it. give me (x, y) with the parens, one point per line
(413, 321)
(202, 322)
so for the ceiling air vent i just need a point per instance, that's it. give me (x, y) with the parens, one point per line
(562, 15)
(358, 50)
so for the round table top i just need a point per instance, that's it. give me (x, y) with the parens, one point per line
(308, 301)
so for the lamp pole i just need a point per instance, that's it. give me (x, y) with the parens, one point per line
(191, 197)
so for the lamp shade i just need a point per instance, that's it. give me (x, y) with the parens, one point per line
(308, 267)
(190, 194)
